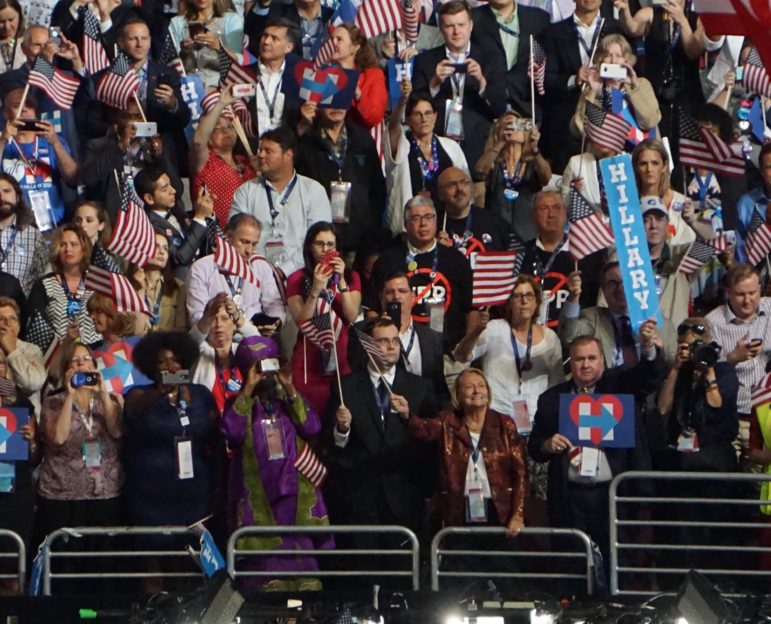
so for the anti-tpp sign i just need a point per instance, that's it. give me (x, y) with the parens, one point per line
(631, 244)
(599, 420)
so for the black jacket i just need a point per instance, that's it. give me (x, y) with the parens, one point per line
(254, 24)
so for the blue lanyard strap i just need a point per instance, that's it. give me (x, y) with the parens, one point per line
(406, 352)
(595, 34)
(703, 184)
(544, 270)
(527, 364)
(271, 104)
(511, 180)
(282, 202)
(434, 264)
(427, 169)
(475, 449)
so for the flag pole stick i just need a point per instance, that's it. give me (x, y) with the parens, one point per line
(583, 88)
(444, 221)
(176, 47)
(24, 100)
(241, 134)
(763, 113)
(139, 104)
(337, 369)
(532, 83)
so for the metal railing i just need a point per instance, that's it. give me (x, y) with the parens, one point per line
(411, 570)
(439, 556)
(633, 533)
(19, 553)
(114, 556)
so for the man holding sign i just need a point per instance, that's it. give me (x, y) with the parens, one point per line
(580, 471)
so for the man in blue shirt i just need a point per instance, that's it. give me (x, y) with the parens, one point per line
(756, 199)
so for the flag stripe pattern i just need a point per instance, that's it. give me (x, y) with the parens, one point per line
(133, 237)
(604, 129)
(229, 260)
(41, 333)
(324, 327)
(94, 55)
(372, 349)
(410, 21)
(309, 465)
(761, 392)
(538, 59)
(755, 75)
(117, 287)
(720, 243)
(758, 242)
(698, 255)
(587, 232)
(232, 73)
(701, 149)
(376, 17)
(60, 87)
(169, 55)
(119, 84)
(493, 277)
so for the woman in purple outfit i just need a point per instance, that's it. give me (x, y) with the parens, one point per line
(274, 477)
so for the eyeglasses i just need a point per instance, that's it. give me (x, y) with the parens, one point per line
(223, 127)
(423, 114)
(418, 218)
(696, 328)
(324, 244)
(523, 297)
(385, 342)
(613, 284)
(9, 319)
(78, 359)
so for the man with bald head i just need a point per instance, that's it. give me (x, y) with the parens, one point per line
(463, 225)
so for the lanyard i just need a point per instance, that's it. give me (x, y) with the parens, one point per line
(4, 252)
(8, 60)
(475, 450)
(408, 349)
(181, 406)
(553, 257)
(157, 305)
(434, 263)
(271, 104)
(511, 180)
(703, 185)
(221, 374)
(235, 290)
(427, 169)
(527, 364)
(28, 163)
(282, 202)
(87, 423)
(77, 295)
(338, 155)
(582, 43)
(507, 30)
(458, 80)
(382, 405)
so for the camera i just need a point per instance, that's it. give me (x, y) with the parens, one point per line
(175, 379)
(460, 68)
(269, 365)
(703, 355)
(145, 128)
(612, 71)
(29, 125)
(56, 35)
(84, 379)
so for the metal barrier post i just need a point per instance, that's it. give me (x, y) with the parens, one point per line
(21, 557)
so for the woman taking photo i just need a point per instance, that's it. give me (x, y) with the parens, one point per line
(215, 164)
(515, 171)
(483, 473)
(61, 296)
(415, 159)
(203, 28)
(323, 284)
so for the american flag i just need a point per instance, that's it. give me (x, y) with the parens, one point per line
(119, 84)
(538, 63)
(7, 387)
(41, 333)
(719, 243)
(60, 87)
(169, 55)
(587, 232)
(755, 75)
(761, 392)
(133, 237)
(493, 277)
(232, 73)
(606, 130)
(239, 106)
(309, 465)
(94, 56)
(373, 350)
(229, 260)
(701, 149)
(698, 255)
(278, 274)
(117, 287)
(100, 258)
(758, 242)
(410, 20)
(324, 327)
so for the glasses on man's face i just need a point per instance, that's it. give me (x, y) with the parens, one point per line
(613, 284)
(324, 244)
(79, 359)
(223, 128)
(9, 320)
(696, 328)
(388, 342)
(418, 218)
(525, 297)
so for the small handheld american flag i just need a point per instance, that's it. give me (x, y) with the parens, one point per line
(606, 130)
(494, 274)
(60, 87)
(117, 287)
(698, 255)
(758, 242)
(755, 75)
(119, 84)
(587, 232)
(702, 149)
(373, 350)
(133, 237)
(229, 260)
(94, 55)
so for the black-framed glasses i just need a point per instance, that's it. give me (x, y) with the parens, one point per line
(696, 328)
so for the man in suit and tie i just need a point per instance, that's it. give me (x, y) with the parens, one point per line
(568, 46)
(610, 325)
(576, 499)
(377, 471)
(310, 17)
(466, 81)
(509, 26)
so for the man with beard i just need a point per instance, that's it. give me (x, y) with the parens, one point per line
(23, 251)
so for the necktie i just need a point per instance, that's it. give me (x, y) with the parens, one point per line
(628, 347)
(382, 395)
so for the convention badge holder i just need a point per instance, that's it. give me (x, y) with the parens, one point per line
(233, 385)
(92, 454)
(274, 251)
(453, 119)
(543, 312)
(522, 415)
(476, 510)
(688, 441)
(41, 207)
(274, 439)
(436, 315)
(340, 199)
(7, 477)
(184, 454)
(590, 461)
(510, 194)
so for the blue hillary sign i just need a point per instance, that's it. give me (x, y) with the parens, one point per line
(13, 446)
(631, 242)
(193, 92)
(598, 420)
(397, 71)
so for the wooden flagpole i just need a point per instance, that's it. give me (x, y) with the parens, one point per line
(532, 83)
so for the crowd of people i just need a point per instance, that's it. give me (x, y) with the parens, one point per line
(288, 334)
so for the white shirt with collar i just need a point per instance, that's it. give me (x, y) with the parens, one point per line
(341, 439)
(268, 88)
(411, 350)
(457, 80)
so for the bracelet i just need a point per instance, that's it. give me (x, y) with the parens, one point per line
(710, 384)
(344, 289)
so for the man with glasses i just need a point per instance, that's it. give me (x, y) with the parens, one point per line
(612, 325)
(439, 276)
(466, 227)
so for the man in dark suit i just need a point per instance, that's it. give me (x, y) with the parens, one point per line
(568, 46)
(376, 469)
(466, 81)
(508, 27)
(575, 500)
(310, 17)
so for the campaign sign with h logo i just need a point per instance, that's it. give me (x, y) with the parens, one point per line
(13, 446)
(599, 420)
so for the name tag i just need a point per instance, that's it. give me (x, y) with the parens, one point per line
(184, 447)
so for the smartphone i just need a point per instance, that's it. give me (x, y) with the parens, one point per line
(145, 128)
(196, 28)
(175, 379)
(244, 90)
(739, 73)
(612, 71)
(460, 68)
(261, 319)
(326, 259)
(84, 379)
(29, 125)
(56, 35)
(269, 365)
(755, 342)
(394, 311)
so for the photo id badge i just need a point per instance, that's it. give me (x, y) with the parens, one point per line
(41, 207)
(92, 454)
(340, 199)
(436, 315)
(476, 510)
(453, 119)
(274, 251)
(184, 447)
(590, 461)
(522, 415)
(688, 441)
(274, 439)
